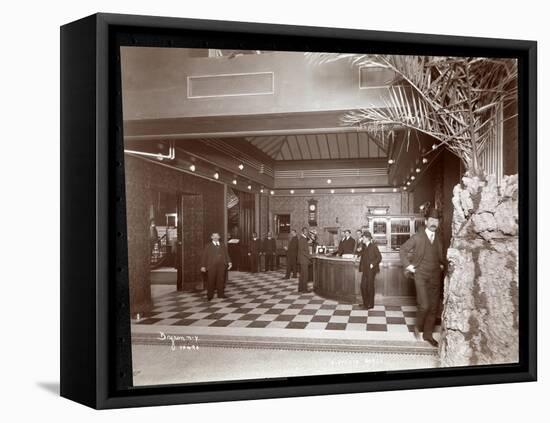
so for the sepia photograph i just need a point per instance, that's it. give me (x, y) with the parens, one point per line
(296, 213)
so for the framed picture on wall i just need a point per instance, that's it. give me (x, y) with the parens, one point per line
(258, 211)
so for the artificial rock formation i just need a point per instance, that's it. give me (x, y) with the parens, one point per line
(480, 308)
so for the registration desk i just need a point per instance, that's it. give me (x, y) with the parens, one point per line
(339, 279)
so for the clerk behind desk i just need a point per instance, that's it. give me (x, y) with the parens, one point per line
(347, 245)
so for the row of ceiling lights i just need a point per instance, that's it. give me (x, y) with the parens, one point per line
(412, 177)
(332, 191)
(216, 176)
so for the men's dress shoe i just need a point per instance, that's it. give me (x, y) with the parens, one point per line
(417, 334)
(432, 342)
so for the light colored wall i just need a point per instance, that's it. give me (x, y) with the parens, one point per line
(154, 82)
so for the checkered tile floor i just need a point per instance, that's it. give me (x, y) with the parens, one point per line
(264, 300)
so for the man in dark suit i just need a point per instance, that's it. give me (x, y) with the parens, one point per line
(422, 257)
(254, 251)
(291, 255)
(369, 265)
(269, 248)
(358, 243)
(304, 258)
(215, 261)
(347, 244)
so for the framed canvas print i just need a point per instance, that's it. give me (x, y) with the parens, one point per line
(256, 211)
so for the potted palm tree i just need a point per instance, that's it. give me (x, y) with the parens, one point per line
(458, 101)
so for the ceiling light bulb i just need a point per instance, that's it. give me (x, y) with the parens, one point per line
(261, 190)
(241, 166)
(408, 182)
(216, 175)
(391, 161)
(329, 181)
(417, 170)
(352, 190)
(272, 192)
(332, 191)
(312, 191)
(374, 190)
(234, 182)
(395, 190)
(192, 168)
(424, 160)
(249, 187)
(413, 178)
(292, 191)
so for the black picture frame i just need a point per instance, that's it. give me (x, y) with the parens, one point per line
(95, 322)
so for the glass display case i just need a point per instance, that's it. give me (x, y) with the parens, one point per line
(390, 232)
(379, 230)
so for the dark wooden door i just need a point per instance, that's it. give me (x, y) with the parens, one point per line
(190, 241)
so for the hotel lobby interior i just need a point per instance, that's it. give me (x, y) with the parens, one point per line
(241, 142)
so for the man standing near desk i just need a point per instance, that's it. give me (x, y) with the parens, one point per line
(215, 261)
(369, 266)
(269, 248)
(291, 255)
(422, 256)
(347, 244)
(254, 251)
(304, 258)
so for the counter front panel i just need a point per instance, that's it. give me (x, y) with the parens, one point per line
(339, 279)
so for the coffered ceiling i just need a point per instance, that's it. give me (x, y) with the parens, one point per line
(322, 146)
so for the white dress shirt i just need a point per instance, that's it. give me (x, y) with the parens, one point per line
(430, 235)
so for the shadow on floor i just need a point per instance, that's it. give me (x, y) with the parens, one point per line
(51, 387)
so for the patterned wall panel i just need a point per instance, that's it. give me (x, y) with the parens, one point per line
(344, 211)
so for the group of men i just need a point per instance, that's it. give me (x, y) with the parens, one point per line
(421, 255)
(297, 253)
(258, 248)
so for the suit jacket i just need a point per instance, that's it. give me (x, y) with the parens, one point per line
(212, 255)
(412, 251)
(303, 251)
(255, 247)
(370, 255)
(358, 244)
(292, 251)
(346, 246)
(269, 246)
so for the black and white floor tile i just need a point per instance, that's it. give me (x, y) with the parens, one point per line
(265, 300)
